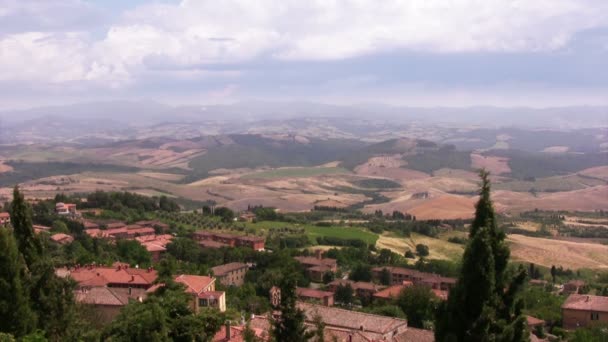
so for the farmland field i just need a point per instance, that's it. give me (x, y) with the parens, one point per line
(313, 231)
(439, 248)
(297, 172)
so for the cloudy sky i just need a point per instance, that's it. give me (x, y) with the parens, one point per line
(411, 52)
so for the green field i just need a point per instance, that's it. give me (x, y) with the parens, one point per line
(300, 172)
(313, 231)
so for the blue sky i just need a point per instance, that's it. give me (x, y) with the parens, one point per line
(416, 52)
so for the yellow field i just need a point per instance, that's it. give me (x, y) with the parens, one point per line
(547, 252)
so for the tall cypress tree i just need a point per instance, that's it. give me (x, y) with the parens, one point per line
(16, 316)
(50, 297)
(484, 305)
(289, 326)
(21, 220)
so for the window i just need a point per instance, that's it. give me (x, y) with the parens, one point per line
(595, 316)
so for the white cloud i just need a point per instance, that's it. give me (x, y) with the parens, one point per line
(197, 32)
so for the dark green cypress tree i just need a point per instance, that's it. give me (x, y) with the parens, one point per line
(16, 316)
(289, 326)
(21, 220)
(485, 304)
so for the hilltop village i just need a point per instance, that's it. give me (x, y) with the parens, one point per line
(122, 252)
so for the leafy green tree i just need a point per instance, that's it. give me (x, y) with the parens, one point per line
(21, 219)
(289, 326)
(597, 333)
(485, 304)
(59, 227)
(328, 277)
(16, 317)
(385, 277)
(344, 294)
(422, 250)
(386, 257)
(133, 252)
(361, 272)
(418, 303)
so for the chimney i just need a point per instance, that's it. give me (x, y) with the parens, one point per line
(132, 278)
(228, 330)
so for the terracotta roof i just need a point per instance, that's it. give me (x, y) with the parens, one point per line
(194, 284)
(320, 268)
(399, 270)
(586, 303)
(90, 225)
(532, 321)
(315, 261)
(347, 319)
(259, 324)
(415, 335)
(390, 292)
(222, 270)
(104, 276)
(211, 244)
(102, 295)
(357, 285)
(62, 238)
(5, 215)
(312, 293)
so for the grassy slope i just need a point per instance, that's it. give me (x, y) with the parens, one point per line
(314, 231)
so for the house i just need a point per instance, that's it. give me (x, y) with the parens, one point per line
(400, 274)
(5, 218)
(247, 216)
(162, 227)
(534, 323)
(108, 301)
(254, 242)
(317, 266)
(115, 225)
(202, 289)
(131, 283)
(573, 286)
(362, 289)
(65, 209)
(584, 310)
(260, 325)
(346, 325)
(39, 229)
(90, 225)
(62, 239)
(320, 297)
(391, 292)
(232, 274)
(355, 332)
(156, 245)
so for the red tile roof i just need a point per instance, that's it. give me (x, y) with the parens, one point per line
(222, 270)
(102, 295)
(194, 284)
(312, 293)
(390, 292)
(586, 303)
(5, 215)
(62, 238)
(104, 276)
(533, 321)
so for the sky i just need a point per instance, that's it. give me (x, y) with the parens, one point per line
(507, 53)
